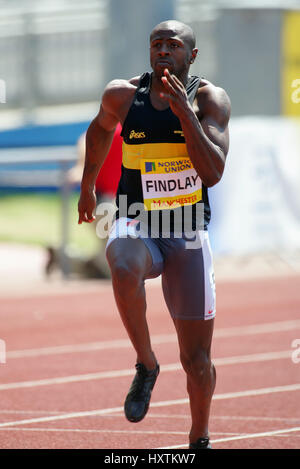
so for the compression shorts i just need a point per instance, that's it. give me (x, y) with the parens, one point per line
(185, 265)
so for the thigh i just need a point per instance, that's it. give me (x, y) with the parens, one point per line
(127, 248)
(129, 253)
(188, 281)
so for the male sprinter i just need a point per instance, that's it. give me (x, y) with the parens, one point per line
(175, 131)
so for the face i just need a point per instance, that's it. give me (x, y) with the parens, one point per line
(169, 49)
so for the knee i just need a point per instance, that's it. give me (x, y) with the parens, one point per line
(197, 366)
(126, 273)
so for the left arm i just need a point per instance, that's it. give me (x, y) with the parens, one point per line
(206, 134)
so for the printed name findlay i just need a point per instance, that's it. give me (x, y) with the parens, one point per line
(171, 184)
(150, 458)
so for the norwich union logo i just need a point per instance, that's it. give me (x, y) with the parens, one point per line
(149, 167)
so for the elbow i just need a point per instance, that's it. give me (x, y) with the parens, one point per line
(213, 179)
(213, 171)
(215, 174)
(212, 182)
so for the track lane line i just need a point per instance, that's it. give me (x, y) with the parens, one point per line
(79, 430)
(253, 358)
(99, 412)
(158, 339)
(88, 430)
(247, 436)
(161, 416)
(85, 347)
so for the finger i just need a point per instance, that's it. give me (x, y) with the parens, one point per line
(89, 218)
(167, 77)
(85, 217)
(167, 96)
(168, 85)
(176, 80)
(81, 218)
(90, 215)
(173, 80)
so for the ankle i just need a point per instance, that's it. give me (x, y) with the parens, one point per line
(148, 361)
(195, 436)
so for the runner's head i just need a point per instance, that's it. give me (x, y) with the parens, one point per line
(172, 46)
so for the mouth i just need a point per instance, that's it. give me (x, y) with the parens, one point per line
(163, 63)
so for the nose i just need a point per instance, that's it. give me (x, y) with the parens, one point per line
(164, 50)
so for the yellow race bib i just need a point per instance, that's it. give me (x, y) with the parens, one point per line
(169, 183)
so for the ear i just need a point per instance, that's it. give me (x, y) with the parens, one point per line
(194, 55)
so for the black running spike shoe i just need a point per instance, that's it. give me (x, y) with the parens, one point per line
(137, 401)
(201, 443)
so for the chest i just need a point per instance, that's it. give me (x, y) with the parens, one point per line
(145, 124)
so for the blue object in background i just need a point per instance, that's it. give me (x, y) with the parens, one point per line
(43, 135)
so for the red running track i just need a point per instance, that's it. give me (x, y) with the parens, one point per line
(69, 366)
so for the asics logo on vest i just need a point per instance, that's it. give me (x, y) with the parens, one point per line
(179, 132)
(134, 134)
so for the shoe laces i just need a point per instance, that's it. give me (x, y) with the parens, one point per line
(139, 380)
(141, 369)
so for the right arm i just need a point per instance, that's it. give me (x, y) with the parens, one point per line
(99, 137)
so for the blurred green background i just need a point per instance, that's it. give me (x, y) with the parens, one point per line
(35, 218)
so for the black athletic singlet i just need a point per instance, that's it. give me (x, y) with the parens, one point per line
(156, 169)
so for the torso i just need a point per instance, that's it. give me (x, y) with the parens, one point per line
(151, 131)
(129, 88)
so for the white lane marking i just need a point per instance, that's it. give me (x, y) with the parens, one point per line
(234, 395)
(258, 392)
(161, 416)
(66, 416)
(88, 430)
(247, 436)
(82, 430)
(257, 357)
(257, 418)
(156, 340)
(31, 412)
(254, 329)
(67, 379)
(99, 412)
(86, 347)
(222, 417)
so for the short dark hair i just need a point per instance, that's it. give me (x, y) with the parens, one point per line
(184, 29)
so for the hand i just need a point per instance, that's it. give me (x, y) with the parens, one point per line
(86, 207)
(175, 93)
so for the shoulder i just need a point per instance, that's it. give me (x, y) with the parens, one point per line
(213, 100)
(115, 102)
(118, 90)
(117, 97)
